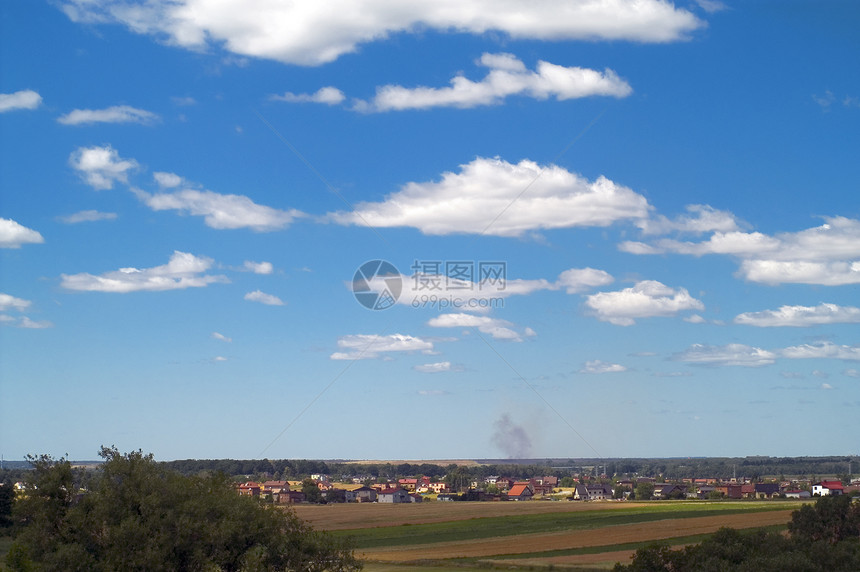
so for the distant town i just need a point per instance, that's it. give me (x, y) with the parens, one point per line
(322, 489)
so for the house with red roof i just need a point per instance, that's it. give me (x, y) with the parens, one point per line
(520, 491)
(826, 488)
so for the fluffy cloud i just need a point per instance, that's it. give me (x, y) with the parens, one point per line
(184, 270)
(263, 298)
(371, 346)
(115, 114)
(13, 235)
(508, 76)
(598, 366)
(801, 316)
(822, 350)
(577, 280)
(730, 354)
(259, 267)
(24, 99)
(86, 216)
(221, 211)
(221, 337)
(327, 95)
(313, 33)
(495, 327)
(8, 302)
(492, 196)
(645, 299)
(101, 167)
(828, 254)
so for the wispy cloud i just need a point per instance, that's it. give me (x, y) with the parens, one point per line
(372, 346)
(221, 337)
(326, 95)
(801, 316)
(597, 366)
(263, 298)
(86, 216)
(727, 355)
(258, 267)
(497, 328)
(507, 77)
(115, 114)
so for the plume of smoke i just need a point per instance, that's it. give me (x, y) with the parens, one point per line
(511, 438)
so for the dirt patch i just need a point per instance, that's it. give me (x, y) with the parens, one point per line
(608, 536)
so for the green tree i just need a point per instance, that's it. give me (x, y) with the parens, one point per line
(141, 516)
(7, 497)
(644, 491)
(831, 519)
(567, 482)
(312, 491)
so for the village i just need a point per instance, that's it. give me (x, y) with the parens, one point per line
(320, 488)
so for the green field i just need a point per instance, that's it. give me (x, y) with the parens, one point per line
(480, 528)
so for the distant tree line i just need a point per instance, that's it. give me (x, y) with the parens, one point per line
(674, 468)
(821, 538)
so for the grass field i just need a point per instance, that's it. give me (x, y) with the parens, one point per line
(443, 537)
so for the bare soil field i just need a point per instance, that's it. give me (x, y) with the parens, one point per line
(609, 536)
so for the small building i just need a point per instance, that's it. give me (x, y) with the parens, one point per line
(393, 495)
(766, 490)
(249, 489)
(365, 494)
(520, 492)
(826, 488)
(797, 494)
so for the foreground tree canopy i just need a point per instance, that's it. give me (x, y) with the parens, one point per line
(138, 515)
(822, 538)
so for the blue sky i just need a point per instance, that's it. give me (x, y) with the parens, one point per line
(669, 190)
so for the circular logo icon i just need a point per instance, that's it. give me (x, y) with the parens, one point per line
(377, 285)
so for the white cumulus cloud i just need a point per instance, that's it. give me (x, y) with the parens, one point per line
(645, 299)
(24, 99)
(507, 77)
(13, 234)
(263, 298)
(221, 337)
(101, 167)
(492, 196)
(801, 316)
(184, 270)
(313, 33)
(827, 255)
(115, 114)
(372, 346)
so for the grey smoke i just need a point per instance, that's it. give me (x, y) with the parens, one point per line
(511, 438)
